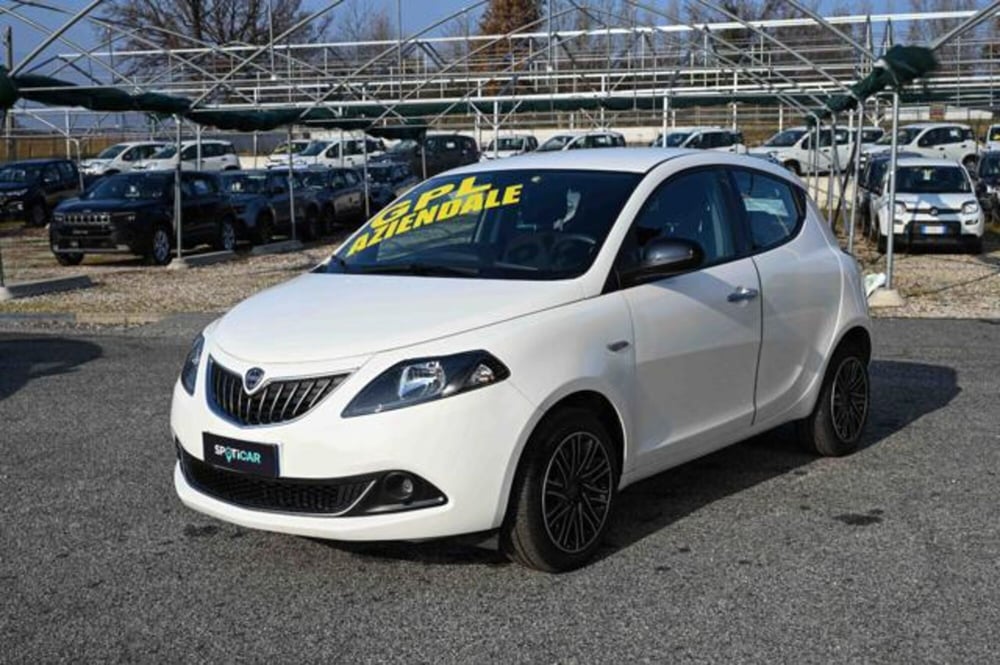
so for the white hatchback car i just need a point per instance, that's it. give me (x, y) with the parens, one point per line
(215, 156)
(510, 344)
(120, 158)
(935, 203)
(703, 138)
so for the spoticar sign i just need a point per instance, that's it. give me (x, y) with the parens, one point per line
(437, 204)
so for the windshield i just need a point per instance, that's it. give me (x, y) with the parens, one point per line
(506, 144)
(112, 151)
(905, 136)
(871, 135)
(297, 148)
(674, 139)
(165, 153)
(314, 149)
(129, 186)
(405, 145)
(989, 166)
(994, 133)
(932, 180)
(23, 175)
(785, 139)
(555, 143)
(538, 225)
(244, 183)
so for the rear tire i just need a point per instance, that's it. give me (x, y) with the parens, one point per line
(563, 493)
(263, 229)
(311, 227)
(71, 259)
(835, 426)
(38, 215)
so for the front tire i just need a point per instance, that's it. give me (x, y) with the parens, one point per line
(835, 426)
(263, 230)
(71, 259)
(311, 228)
(563, 494)
(38, 215)
(975, 246)
(159, 247)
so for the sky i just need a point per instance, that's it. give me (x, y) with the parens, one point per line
(416, 14)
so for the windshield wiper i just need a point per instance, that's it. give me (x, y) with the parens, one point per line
(422, 269)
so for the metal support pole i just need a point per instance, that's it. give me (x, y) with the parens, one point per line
(364, 167)
(814, 160)
(342, 147)
(666, 113)
(197, 147)
(178, 208)
(496, 129)
(892, 191)
(8, 118)
(2, 283)
(831, 169)
(291, 184)
(859, 125)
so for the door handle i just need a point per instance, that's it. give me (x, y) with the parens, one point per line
(742, 294)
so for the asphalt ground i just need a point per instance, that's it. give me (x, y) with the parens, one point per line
(758, 553)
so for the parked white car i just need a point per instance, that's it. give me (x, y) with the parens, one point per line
(934, 140)
(992, 141)
(120, 157)
(328, 153)
(509, 146)
(935, 203)
(511, 343)
(577, 140)
(215, 156)
(704, 138)
(793, 149)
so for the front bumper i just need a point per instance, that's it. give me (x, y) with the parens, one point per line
(465, 446)
(12, 209)
(103, 238)
(926, 227)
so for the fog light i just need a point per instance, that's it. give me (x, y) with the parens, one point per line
(399, 486)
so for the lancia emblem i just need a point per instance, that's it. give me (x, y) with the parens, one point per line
(934, 212)
(252, 379)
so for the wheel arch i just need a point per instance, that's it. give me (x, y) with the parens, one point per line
(586, 397)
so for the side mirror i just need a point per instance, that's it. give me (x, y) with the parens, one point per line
(664, 257)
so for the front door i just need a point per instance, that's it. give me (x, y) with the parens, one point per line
(697, 335)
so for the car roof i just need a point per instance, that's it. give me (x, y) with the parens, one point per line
(695, 128)
(628, 160)
(930, 125)
(36, 161)
(924, 161)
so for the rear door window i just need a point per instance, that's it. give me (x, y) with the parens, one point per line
(773, 207)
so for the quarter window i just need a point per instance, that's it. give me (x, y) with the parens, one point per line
(692, 206)
(772, 206)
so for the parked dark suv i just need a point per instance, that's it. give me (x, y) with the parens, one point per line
(132, 213)
(439, 152)
(30, 189)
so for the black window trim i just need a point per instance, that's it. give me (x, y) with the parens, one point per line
(800, 203)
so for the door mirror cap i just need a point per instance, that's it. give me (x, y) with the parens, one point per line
(664, 257)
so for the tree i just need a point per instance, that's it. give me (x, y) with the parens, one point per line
(175, 24)
(503, 16)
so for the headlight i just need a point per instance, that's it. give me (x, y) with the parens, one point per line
(900, 209)
(970, 208)
(126, 217)
(423, 380)
(189, 373)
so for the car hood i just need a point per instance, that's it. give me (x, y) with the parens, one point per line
(14, 187)
(319, 317)
(939, 201)
(104, 205)
(94, 162)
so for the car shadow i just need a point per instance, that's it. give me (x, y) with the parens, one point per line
(902, 393)
(24, 360)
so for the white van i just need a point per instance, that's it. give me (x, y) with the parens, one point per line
(793, 148)
(992, 140)
(120, 157)
(215, 156)
(702, 138)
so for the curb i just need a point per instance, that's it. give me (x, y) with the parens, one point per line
(43, 286)
(197, 260)
(277, 247)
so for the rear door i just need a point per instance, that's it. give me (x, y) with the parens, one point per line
(799, 280)
(697, 335)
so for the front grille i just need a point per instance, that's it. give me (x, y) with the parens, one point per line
(87, 218)
(313, 497)
(275, 402)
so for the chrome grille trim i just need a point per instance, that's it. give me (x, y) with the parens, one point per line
(87, 218)
(275, 401)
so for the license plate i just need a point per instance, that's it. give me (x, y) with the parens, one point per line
(259, 459)
(932, 229)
